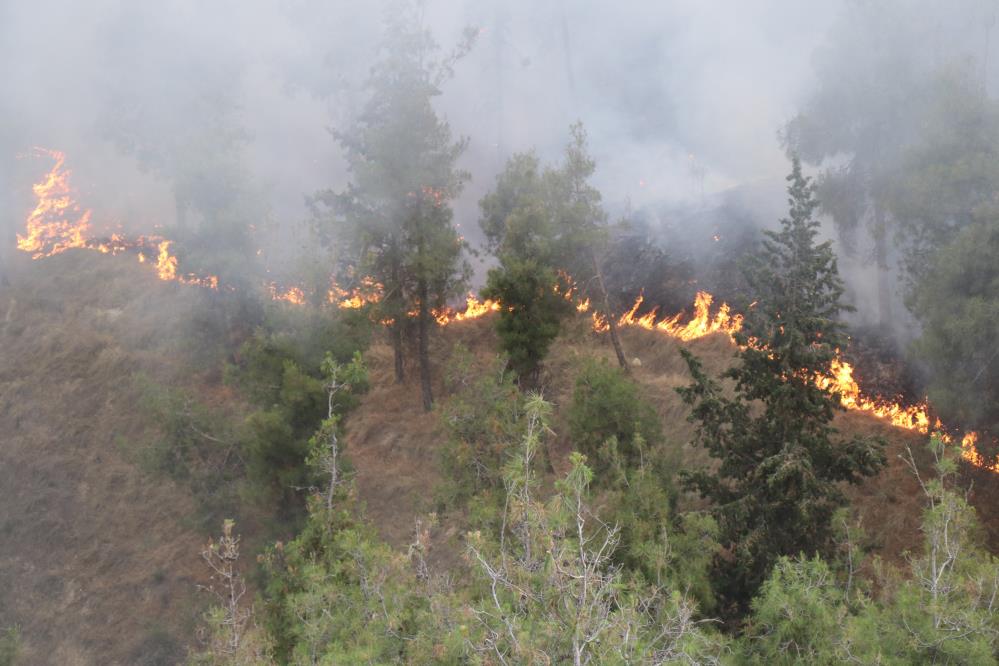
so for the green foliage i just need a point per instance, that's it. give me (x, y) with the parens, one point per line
(482, 416)
(337, 594)
(611, 422)
(950, 174)
(10, 646)
(394, 221)
(519, 219)
(798, 616)
(550, 592)
(943, 611)
(194, 445)
(542, 224)
(776, 486)
(958, 303)
(289, 401)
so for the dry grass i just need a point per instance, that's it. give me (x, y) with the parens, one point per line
(395, 447)
(95, 558)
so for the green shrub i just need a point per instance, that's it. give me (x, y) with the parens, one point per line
(482, 416)
(609, 420)
(10, 646)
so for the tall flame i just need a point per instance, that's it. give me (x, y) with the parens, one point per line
(58, 223)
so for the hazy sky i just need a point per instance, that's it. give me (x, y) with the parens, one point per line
(659, 85)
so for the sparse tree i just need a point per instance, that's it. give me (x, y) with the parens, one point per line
(520, 224)
(583, 227)
(232, 638)
(325, 449)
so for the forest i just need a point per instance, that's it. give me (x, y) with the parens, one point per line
(446, 332)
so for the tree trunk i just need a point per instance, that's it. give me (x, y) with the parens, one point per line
(611, 324)
(397, 309)
(883, 270)
(424, 349)
(396, 331)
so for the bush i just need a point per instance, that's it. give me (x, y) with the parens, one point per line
(609, 421)
(482, 417)
(10, 646)
(195, 446)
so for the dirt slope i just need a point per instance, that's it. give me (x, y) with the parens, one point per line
(96, 564)
(395, 446)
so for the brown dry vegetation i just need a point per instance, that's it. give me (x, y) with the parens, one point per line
(98, 561)
(394, 445)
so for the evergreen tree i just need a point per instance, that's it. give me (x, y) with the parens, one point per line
(538, 224)
(878, 96)
(776, 485)
(520, 230)
(394, 222)
(583, 226)
(958, 302)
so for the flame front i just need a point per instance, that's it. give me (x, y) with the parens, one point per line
(702, 323)
(908, 417)
(58, 223)
(474, 308)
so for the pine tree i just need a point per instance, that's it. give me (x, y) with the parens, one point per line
(583, 224)
(776, 485)
(520, 229)
(540, 224)
(394, 222)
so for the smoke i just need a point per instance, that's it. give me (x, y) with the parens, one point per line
(175, 110)
(677, 97)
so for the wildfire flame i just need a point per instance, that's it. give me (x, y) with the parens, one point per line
(702, 323)
(908, 417)
(474, 308)
(293, 295)
(58, 223)
(369, 292)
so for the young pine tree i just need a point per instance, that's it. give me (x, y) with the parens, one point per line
(518, 220)
(775, 487)
(538, 223)
(394, 222)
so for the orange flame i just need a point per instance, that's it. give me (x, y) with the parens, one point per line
(474, 308)
(293, 295)
(58, 223)
(908, 417)
(369, 292)
(702, 323)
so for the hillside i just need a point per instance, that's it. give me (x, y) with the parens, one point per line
(394, 445)
(99, 561)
